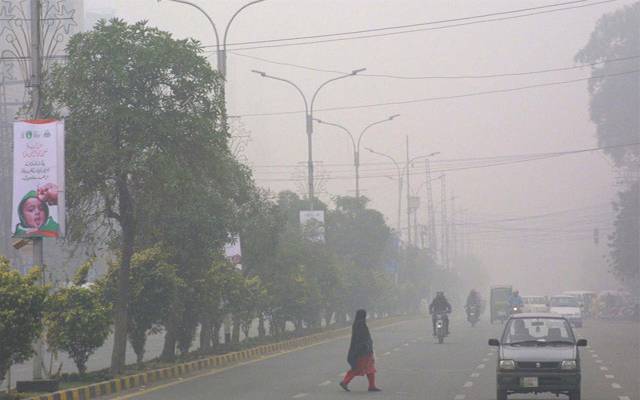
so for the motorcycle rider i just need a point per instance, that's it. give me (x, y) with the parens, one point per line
(440, 305)
(515, 301)
(473, 301)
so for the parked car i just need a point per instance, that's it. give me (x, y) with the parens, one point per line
(538, 353)
(535, 304)
(568, 307)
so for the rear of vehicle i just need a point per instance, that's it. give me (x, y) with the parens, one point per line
(538, 354)
(499, 303)
(586, 300)
(568, 307)
(535, 304)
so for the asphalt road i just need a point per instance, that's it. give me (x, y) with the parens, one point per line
(411, 366)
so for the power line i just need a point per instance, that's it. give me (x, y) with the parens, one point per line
(331, 37)
(471, 76)
(538, 157)
(440, 98)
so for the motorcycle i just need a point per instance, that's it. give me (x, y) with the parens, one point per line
(516, 309)
(440, 328)
(472, 315)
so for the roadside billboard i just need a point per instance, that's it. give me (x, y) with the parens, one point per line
(313, 225)
(233, 251)
(38, 179)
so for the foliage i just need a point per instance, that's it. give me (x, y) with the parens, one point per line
(615, 101)
(78, 322)
(153, 285)
(145, 122)
(21, 307)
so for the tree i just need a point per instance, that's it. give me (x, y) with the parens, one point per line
(21, 307)
(142, 108)
(154, 286)
(78, 322)
(615, 101)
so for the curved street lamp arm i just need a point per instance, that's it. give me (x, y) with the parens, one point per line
(386, 156)
(339, 127)
(353, 73)
(226, 30)
(369, 126)
(264, 75)
(213, 25)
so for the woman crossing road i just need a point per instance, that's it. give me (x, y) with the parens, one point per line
(361, 358)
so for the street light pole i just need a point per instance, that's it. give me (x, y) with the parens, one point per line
(308, 111)
(399, 226)
(356, 145)
(221, 47)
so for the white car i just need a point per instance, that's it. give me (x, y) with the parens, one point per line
(568, 307)
(535, 304)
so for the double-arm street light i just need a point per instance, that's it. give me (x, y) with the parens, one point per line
(308, 110)
(356, 144)
(401, 172)
(221, 46)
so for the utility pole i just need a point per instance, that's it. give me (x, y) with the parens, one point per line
(444, 229)
(35, 84)
(454, 239)
(431, 216)
(408, 195)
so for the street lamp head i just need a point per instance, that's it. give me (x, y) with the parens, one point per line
(394, 116)
(369, 149)
(318, 121)
(433, 154)
(262, 74)
(357, 71)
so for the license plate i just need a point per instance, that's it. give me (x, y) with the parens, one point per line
(529, 382)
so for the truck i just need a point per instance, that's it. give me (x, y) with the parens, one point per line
(499, 302)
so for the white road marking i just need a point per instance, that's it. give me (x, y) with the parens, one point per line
(406, 344)
(387, 353)
(462, 396)
(325, 383)
(475, 375)
(624, 398)
(598, 361)
(609, 376)
(594, 355)
(490, 353)
(616, 386)
(468, 384)
(481, 366)
(485, 359)
(396, 349)
(300, 395)
(604, 368)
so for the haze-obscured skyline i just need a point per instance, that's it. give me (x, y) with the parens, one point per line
(551, 205)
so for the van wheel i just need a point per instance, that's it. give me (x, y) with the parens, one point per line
(574, 395)
(502, 395)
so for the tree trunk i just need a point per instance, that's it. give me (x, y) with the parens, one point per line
(127, 224)
(216, 334)
(205, 334)
(261, 328)
(235, 333)
(170, 338)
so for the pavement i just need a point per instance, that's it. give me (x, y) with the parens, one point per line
(411, 365)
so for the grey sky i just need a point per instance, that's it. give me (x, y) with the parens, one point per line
(537, 120)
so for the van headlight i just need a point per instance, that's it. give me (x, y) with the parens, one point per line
(507, 364)
(569, 364)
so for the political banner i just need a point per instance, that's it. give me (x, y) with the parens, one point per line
(38, 179)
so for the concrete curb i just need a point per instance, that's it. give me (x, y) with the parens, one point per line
(123, 383)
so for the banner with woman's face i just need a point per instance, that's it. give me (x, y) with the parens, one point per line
(38, 179)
